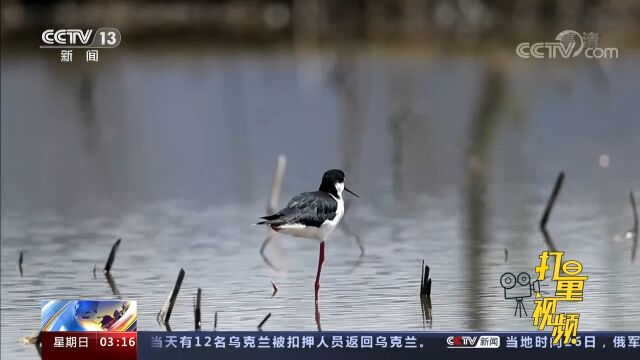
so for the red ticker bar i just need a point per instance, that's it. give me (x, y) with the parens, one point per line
(67, 345)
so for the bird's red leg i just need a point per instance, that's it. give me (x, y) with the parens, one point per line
(318, 317)
(320, 261)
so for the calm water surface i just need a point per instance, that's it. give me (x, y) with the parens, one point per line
(175, 154)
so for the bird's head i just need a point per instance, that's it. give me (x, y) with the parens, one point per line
(333, 183)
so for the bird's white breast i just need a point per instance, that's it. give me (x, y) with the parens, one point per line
(327, 227)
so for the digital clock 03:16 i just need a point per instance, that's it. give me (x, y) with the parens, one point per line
(120, 345)
(123, 341)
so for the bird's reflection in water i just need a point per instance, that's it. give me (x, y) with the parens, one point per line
(347, 230)
(356, 264)
(270, 237)
(318, 317)
(427, 318)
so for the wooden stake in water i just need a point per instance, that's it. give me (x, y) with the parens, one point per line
(264, 321)
(547, 211)
(165, 313)
(196, 310)
(112, 256)
(425, 282)
(215, 321)
(20, 262)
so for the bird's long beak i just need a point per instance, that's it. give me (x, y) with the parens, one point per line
(351, 192)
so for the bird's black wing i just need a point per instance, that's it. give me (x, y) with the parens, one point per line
(309, 209)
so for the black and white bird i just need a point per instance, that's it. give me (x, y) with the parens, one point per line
(313, 215)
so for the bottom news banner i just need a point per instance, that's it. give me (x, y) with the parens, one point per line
(156, 345)
(108, 329)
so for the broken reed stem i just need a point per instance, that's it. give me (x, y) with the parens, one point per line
(275, 289)
(196, 310)
(422, 278)
(278, 178)
(215, 321)
(634, 248)
(506, 254)
(425, 283)
(264, 321)
(165, 313)
(20, 259)
(552, 199)
(112, 256)
(547, 211)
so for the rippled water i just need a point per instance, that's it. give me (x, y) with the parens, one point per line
(175, 156)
